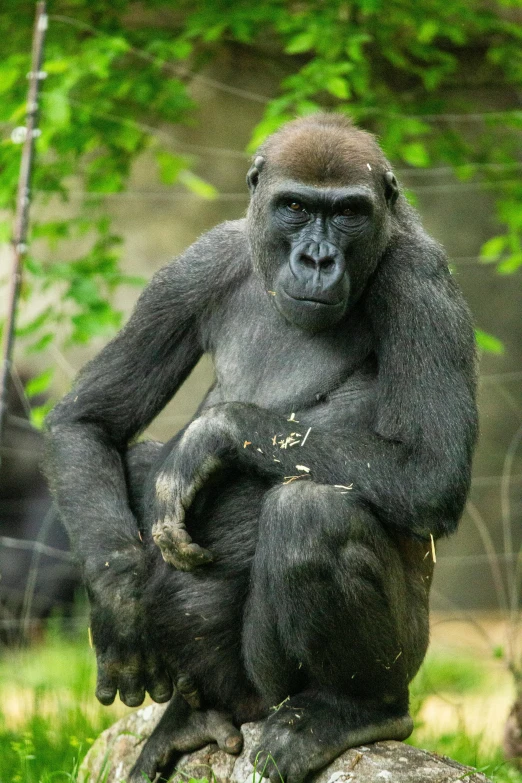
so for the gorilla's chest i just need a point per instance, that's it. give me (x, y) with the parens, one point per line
(260, 358)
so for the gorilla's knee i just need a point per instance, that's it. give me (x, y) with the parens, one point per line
(318, 530)
(302, 528)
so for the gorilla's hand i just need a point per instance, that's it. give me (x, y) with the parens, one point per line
(126, 659)
(185, 470)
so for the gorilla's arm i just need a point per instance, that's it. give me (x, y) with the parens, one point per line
(116, 396)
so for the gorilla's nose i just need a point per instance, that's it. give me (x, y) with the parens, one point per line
(317, 261)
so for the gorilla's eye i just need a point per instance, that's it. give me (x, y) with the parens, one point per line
(347, 212)
(295, 206)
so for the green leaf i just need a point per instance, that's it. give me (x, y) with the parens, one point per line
(57, 66)
(5, 231)
(198, 185)
(84, 291)
(510, 264)
(8, 76)
(170, 166)
(35, 324)
(491, 249)
(339, 87)
(98, 322)
(41, 344)
(301, 43)
(354, 47)
(267, 126)
(39, 413)
(214, 32)
(133, 280)
(39, 384)
(410, 196)
(181, 49)
(488, 342)
(415, 153)
(427, 31)
(57, 110)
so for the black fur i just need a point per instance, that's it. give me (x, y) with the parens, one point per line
(298, 505)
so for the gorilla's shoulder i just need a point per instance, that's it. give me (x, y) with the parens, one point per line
(225, 248)
(229, 235)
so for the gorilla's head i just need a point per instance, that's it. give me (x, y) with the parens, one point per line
(322, 201)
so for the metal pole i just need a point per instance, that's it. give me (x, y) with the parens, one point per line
(22, 206)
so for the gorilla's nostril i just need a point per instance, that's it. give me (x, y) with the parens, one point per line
(308, 261)
(326, 263)
(317, 263)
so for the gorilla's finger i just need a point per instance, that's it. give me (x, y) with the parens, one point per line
(159, 684)
(186, 557)
(224, 732)
(132, 691)
(195, 554)
(106, 681)
(161, 690)
(187, 688)
(131, 681)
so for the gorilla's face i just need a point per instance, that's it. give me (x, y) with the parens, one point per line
(320, 233)
(316, 245)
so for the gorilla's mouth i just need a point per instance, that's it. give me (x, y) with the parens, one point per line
(313, 300)
(310, 312)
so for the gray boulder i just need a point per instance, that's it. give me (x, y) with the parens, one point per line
(115, 751)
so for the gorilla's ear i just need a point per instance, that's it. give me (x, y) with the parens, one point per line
(391, 188)
(252, 177)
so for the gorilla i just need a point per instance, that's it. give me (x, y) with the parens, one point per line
(273, 560)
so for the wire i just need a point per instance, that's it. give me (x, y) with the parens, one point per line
(178, 70)
(486, 481)
(440, 171)
(462, 187)
(238, 154)
(471, 261)
(19, 387)
(244, 196)
(44, 549)
(471, 117)
(470, 559)
(165, 136)
(501, 376)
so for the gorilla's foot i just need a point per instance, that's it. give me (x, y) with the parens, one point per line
(181, 730)
(177, 547)
(307, 732)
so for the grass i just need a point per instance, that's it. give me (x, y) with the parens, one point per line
(49, 716)
(459, 704)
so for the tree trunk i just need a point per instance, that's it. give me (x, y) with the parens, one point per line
(513, 733)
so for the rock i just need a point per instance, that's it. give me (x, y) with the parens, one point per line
(115, 751)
